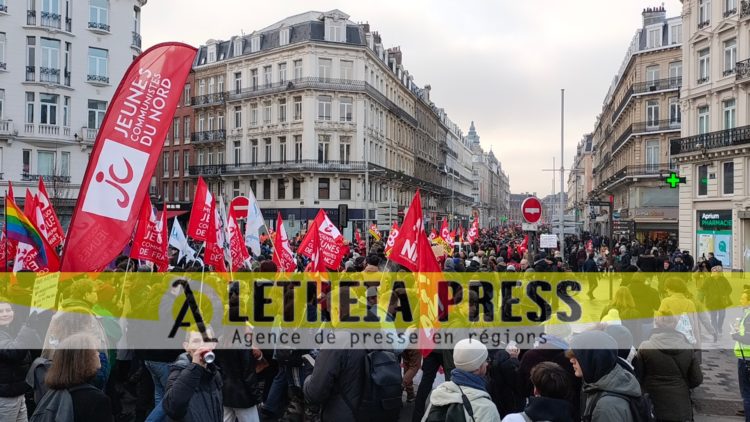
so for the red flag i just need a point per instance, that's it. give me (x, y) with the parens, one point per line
(237, 248)
(391, 239)
(330, 239)
(125, 154)
(313, 245)
(282, 253)
(29, 205)
(411, 248)
(8, 249)
(201, 213)
(433, 235)
(55, 233)
(214, 255)
(150, 241)
(357, 236)
(445, 233)
(10, 192)
(524, 246)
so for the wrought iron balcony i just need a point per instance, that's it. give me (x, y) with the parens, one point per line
(730, 12)
(657, 85)
(704, 24)
(216, 98)
(4, 8)
(97, 79)
(622, 138)
(744, 8)
(634, 172)
(3, 66)
(98, 26)
(209, 136)
(623, 102)
(68, 24)
(656, 126)
(728, 72)
(30, 73)
(48, 74)
(67, 77)
(323, 84)
(279, 167)
(711, 140)
(50, 20)
(28, 177)
(702, 80)
(136, 40)
(31, 17)
(742, 69)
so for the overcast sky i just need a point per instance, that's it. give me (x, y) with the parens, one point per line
(500, 63)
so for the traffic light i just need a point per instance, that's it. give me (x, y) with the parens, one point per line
(343, 215)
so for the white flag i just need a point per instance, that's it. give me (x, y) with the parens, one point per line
(254, 223)
(178, 240)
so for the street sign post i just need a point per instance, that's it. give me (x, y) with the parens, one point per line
(531, 209)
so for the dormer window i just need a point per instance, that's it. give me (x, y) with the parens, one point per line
(211, 53)
(284, 36)
(334, 31)
(255, 44)
(653, 37)
(238, 47)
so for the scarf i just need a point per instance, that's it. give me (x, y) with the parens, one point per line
(468, 379)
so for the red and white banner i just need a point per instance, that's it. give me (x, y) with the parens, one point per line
(331, 242)
(124, 156)
(445, 233)
(391, 239)
(473, 233)
(55, 233)
(282, 252)
(150, 241)
(411, 248)
(237, 248)
(433, 236)
(214, 255)
(201, 213)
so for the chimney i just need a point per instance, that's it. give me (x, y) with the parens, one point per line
(652, 15)
(427, 89)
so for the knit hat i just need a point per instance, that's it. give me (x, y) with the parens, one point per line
(469, 355)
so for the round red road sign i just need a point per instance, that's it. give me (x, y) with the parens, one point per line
(531, 209)
(240, 205)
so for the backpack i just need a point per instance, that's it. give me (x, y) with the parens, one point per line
(453, 412)
(57, 405)
(641, 408)
(381, 388)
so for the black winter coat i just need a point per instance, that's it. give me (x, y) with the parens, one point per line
(504, 386)
(238, 376)
(15, 362)
(193, 393)
(91, 405)
(336, 372)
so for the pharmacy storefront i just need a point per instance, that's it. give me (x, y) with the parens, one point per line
(714, 234)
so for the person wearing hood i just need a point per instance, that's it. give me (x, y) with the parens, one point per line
(551, 385)
(467, 380)
(449, 265)
(607, 387)
(669, 368)
(624, 340)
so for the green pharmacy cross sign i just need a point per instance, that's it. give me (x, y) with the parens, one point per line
(674, 181)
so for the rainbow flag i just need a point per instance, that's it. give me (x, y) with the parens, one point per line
(19, 228)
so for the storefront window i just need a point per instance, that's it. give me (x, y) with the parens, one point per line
(714, 235)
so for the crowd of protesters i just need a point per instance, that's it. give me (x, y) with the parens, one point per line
(644, 356)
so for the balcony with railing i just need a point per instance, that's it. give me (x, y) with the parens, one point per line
(278, 167)
(49, 75)
(742, 70)
(656, 126)
(50, 20)
(48, 178)
(622, 138)
(41, 129)
(323, 84)
(31, 17)
(711, 140)
(633, 173)
(208, 136)
(657, 85)
(704, 24)
(97, 79)
(217, 98)
(3, 8)
(136, 40)
(6, 127)
(3, 66)
(88, 134)
(99, 27)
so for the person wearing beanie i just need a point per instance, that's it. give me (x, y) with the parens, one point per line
(607, 387)
(467, 380)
